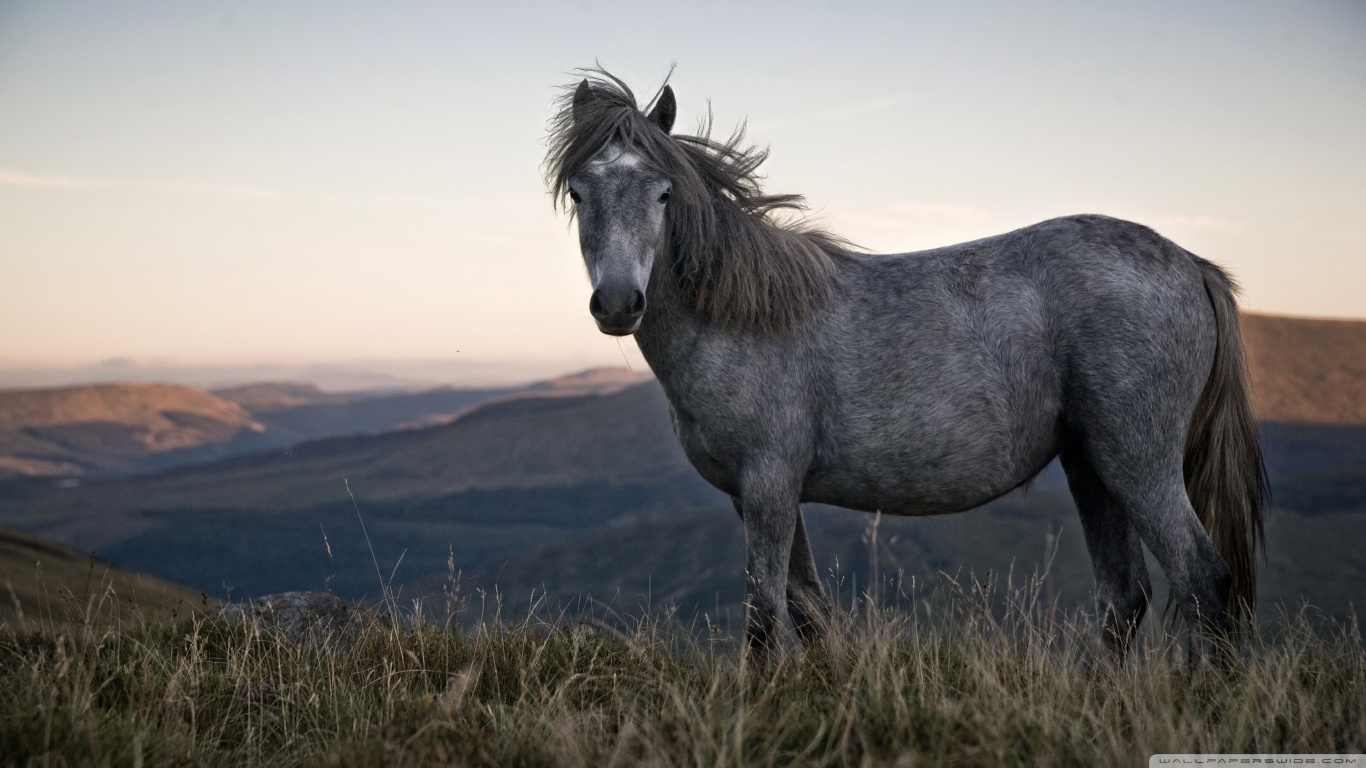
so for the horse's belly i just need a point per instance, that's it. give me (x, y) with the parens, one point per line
(932, 477)
(909, 493)
(906, 498)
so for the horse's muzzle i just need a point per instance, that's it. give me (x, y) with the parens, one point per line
(618, 312)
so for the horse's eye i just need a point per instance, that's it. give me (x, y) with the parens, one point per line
(664, 198)
(574, 196)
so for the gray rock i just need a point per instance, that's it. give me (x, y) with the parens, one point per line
(302, 616)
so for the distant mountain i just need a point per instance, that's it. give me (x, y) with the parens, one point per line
(294, 413)
(50, 584)
(293, 420)
(138, 428)
(110, 427)
(276, 395)
(593, 380)
(1305, 370)
(522, 442)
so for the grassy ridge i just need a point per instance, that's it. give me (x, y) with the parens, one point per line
(47, 584)
(956, 681)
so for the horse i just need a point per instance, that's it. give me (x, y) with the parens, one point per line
(798, 368)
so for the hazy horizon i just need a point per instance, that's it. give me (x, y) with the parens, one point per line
(329, 376)
(218, 185)
(333, 375)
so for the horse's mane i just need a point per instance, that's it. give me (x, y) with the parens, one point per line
(737, 264)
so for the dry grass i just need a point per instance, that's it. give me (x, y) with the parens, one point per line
(956, 679)
(45, 585)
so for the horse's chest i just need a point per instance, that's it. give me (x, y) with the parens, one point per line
(706, 449)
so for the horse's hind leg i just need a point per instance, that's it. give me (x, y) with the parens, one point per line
(1199, 576)
(1145, 479)
(806, 600)
(1122, 587)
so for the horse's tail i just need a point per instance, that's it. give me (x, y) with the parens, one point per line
(1224, 471)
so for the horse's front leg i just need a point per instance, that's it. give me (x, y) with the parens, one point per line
(769, 507)
(806, 600)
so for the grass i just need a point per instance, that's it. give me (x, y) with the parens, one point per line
(44, 584)
(974, 676)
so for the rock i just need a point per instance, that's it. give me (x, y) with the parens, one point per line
(302, 616)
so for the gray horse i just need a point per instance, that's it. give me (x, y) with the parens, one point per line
(800, 370)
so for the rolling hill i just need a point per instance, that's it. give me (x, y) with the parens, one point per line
(508, 475)
(110, 427)
(51, 585)
(589, 494)
(121, 429)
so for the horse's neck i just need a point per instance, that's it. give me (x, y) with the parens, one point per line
(669, 332)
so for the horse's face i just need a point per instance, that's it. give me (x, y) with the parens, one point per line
(620, 203)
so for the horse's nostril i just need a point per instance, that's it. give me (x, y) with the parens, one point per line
(637, 303)
(595, 304)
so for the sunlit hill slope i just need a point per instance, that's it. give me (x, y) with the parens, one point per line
(109, 427)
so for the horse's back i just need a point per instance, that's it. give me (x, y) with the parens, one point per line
(957, 373)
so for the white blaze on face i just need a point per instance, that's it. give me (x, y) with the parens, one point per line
(610, 155)
(627, 160)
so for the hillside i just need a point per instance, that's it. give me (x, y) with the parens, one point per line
(509, 475)
(591, 495)
(294, 413)
(52, 585)
(274, 395)
(140, 428)
(583, 494)
(521, 442)
(110, 427)
(1307, 371)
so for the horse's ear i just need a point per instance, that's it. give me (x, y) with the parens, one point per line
(582, 96)
(666, 109)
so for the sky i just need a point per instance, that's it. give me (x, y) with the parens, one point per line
(292, 183)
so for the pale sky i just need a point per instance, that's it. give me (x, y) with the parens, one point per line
(288, 182)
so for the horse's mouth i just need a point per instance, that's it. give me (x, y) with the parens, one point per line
(623, 328)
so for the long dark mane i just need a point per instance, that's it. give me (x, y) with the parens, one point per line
(739, 265)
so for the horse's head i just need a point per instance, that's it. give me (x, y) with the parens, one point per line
(620, 202)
